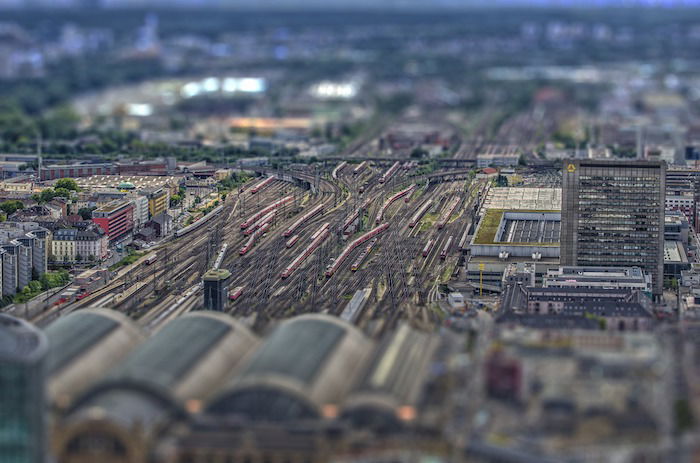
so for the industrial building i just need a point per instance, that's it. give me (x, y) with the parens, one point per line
(505, 237)
(495, 156)
(302, 371)
(613, 215)
(156, 386)
(382, 400)
(205, 387)
(83, 346)
(55, 172)
(23, 350)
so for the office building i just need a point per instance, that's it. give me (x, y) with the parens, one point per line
(23, 350)
(116, 219)
(613, 215)
(158, 201)
(599, 277)
(216, 289)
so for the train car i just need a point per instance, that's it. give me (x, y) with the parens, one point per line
(360, 167)
(259, 223)
(338, 168)
(350, 247)
(255, 217)
(236, 293)
(428, 247)
(447, 214)
(389, 173)
(361, 258)
(319, 237)
(446, 248)
(399, 195)
(185, 230)
(323, 227)
(419, 213)
(261, 185)
(292, 241)
(150, 259)
(302, 220)
(253, 239)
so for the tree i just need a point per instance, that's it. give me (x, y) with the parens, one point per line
(61, 122)
(9, 207)
(61, 192)
(78, 257)
(86, 212)
(67, 183)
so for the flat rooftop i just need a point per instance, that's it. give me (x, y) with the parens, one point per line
(140, 182)
(496, 151)
(530, 231)
(518, 227)
(523, 198)
(113, 206)
(674, 252)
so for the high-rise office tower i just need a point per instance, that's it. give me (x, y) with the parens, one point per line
(613, 215)
(216, 289)
(23, 349)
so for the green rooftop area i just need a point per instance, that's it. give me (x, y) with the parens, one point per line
(214, 274)
(488, 227)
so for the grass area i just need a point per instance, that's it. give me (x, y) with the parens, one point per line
(428, 221)
(128, 260)
(486, 233)
(447, 273)
(47, 281)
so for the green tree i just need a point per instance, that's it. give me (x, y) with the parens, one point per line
(61, 123)
(86, 212)
(61, 192)
(67, 183)
(9, 207)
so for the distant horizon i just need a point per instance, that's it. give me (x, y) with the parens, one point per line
(335, 5)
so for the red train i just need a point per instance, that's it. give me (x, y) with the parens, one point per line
(303, 219)
(236, 293)
(350, 247)
(253, 239)
(254, 218)
(318, 238)
(392, 170)
(262, 185)
(400, 194)
(445, 217)
(292, 241)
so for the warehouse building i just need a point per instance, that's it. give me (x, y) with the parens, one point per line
(504, 237)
